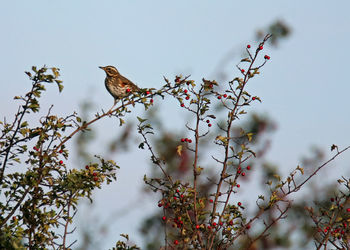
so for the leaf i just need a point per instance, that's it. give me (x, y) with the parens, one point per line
(300, 169)
(121, 121)
(78, 119)
(179, 150)
(141, 120)
(222, 139)
(250, 136)
(24, 124)
(340, 181)
(246, 60)
(55, 71)
(261, 197)
(60, 87)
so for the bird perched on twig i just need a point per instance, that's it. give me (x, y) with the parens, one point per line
(117, 85)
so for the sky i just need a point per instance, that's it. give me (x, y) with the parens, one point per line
(304, 87)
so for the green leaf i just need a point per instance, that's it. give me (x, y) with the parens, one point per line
(60, 87)
(24, 124)
(141, 120)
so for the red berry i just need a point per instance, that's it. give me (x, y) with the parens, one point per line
(224, 95)
(61, 162)
(86, 167)
(95, 178)
(219, 97)
(248, 46)
(187, 98)
(230, 223)
(176, 242)
(220, 223)
(185, 91)
(214, 224)
(332, 199)
(211, 201)
(182, 105)
(160, 204)
(242, 70)
(147, 92)
(197, 226)
(182, 196)
(35, 148)
(238, 185)
(151, 101)
(128, 90)
(211, 86)
(243, 174)
(267, 57)
(253, 98)
(209, 227)
(248, 226)
(94, 174)
(261, 47)
(189, 141)
(177, 191)
(208, 121)
(239, 204)
(164, 218)
(209, 125)
(248, 167)
(177, 79)
(348, 210)
(14, 218)
(183, 140)
(238, 172)
(61, 151)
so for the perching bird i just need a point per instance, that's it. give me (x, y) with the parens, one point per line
(117, 85)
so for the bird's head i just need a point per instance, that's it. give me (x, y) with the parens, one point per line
(110, 70)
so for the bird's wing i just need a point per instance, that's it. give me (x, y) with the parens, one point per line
(126, 81)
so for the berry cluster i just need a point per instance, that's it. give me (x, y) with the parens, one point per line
(208, 122)
(186, 140)
(94, 174)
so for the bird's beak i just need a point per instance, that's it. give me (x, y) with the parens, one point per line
(102, 67)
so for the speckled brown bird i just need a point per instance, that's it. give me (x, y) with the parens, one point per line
(117, 85)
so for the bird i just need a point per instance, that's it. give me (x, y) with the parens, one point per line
(117, 85)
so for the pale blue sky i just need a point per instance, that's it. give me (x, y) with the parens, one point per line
(305, 87)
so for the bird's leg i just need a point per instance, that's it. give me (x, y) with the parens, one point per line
(115, 103)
